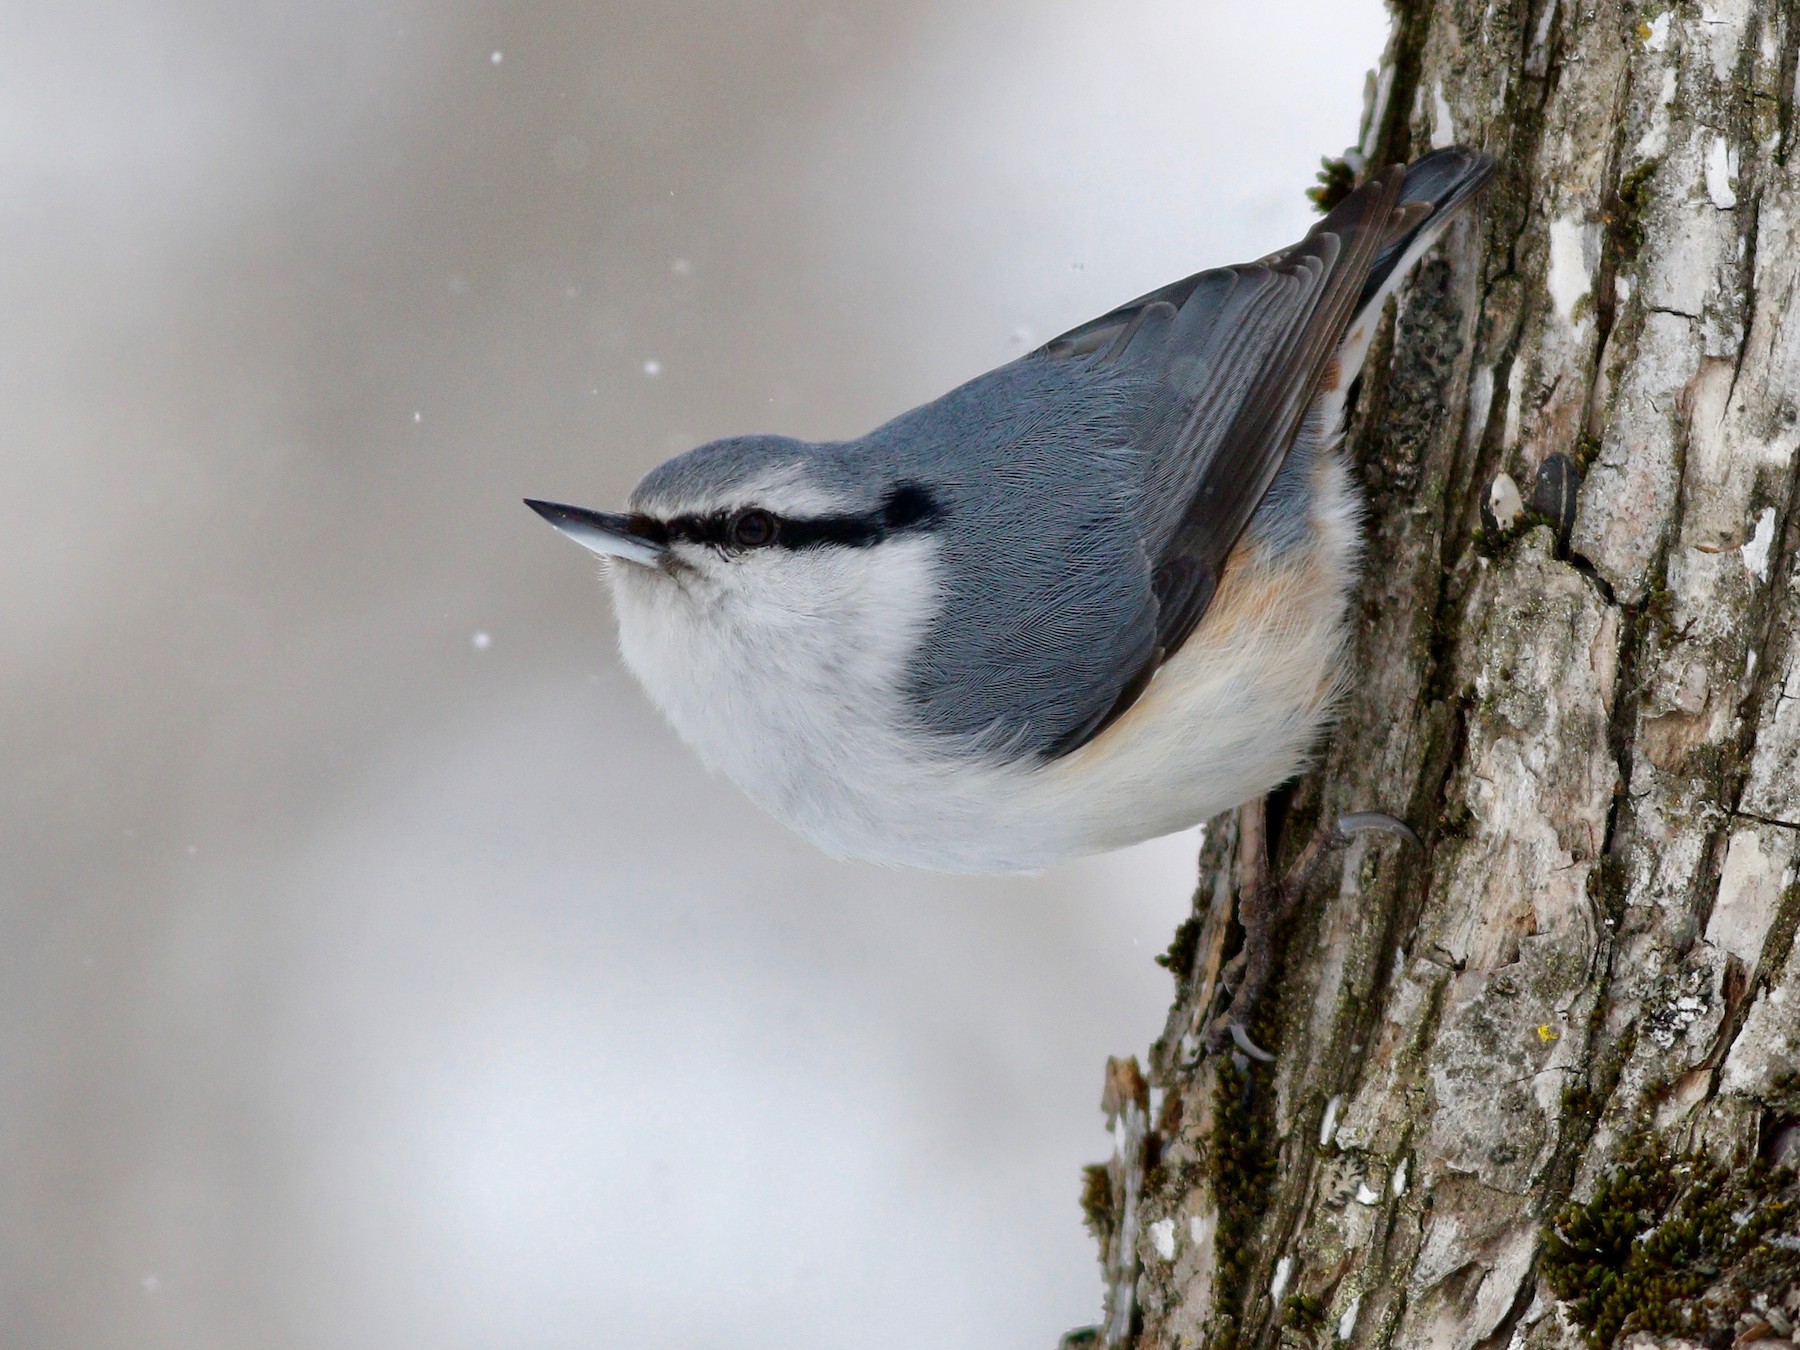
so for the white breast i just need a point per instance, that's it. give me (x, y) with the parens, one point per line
(793, 686)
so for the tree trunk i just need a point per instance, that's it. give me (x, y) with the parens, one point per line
(1524, 1075)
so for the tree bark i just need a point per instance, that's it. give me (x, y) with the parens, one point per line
(1522, 1073)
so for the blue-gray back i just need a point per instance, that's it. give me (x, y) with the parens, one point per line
(1039, 470)
(1087, 495)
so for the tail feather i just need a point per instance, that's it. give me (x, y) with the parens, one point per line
(1440, 183)
(1435, 188)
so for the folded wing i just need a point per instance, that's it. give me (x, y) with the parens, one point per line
(1239, 355)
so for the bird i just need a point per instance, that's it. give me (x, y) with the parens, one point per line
(1094, 596)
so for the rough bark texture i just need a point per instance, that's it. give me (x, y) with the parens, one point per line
(1524, 1075)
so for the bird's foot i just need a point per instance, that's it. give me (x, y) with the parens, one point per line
(1264, 907)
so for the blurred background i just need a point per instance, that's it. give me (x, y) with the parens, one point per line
(377, 970)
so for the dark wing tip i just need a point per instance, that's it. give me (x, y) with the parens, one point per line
(1446, 177)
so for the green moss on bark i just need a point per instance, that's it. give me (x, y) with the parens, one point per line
(1240, 1164)
(1674, 1244)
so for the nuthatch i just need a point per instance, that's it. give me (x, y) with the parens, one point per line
(1096, 595)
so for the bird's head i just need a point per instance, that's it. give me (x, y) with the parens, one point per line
(763, 570)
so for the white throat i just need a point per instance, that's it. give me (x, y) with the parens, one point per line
(786, 671)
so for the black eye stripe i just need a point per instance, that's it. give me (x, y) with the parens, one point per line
(909, 507)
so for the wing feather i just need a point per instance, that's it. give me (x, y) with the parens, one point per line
(1241, 358)
(1101, 483)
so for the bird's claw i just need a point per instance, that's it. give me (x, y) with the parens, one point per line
(1246, 974)
(1242, 1039)
(1375, 822)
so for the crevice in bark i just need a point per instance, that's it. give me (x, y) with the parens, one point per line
(1412, 24)
(1748, 272)
(1779, 950)
(1785, 90)
(1768, 645)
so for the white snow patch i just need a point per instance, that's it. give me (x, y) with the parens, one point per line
(1756, 548)
(1284, 1269)
(1399, 1183)
(1481, 399)
(1162, 1237)
(1659, 32)
(1328, 1126)
(1347, 1323)
(1721, 172)
(1655, 139)
(1569, 278)
(1536, 59)
(1366, 1194)
(1504, 502)
(1443, 126)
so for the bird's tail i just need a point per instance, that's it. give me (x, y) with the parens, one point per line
(1435, 188)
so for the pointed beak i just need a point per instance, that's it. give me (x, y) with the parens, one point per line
(632, 538)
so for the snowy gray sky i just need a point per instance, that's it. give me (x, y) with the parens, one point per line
(379, 970)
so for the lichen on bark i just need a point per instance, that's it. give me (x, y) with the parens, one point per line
(1588, 967)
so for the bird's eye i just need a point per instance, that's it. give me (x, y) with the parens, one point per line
(754, 528)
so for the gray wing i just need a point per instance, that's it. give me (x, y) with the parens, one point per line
(1238, 354)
